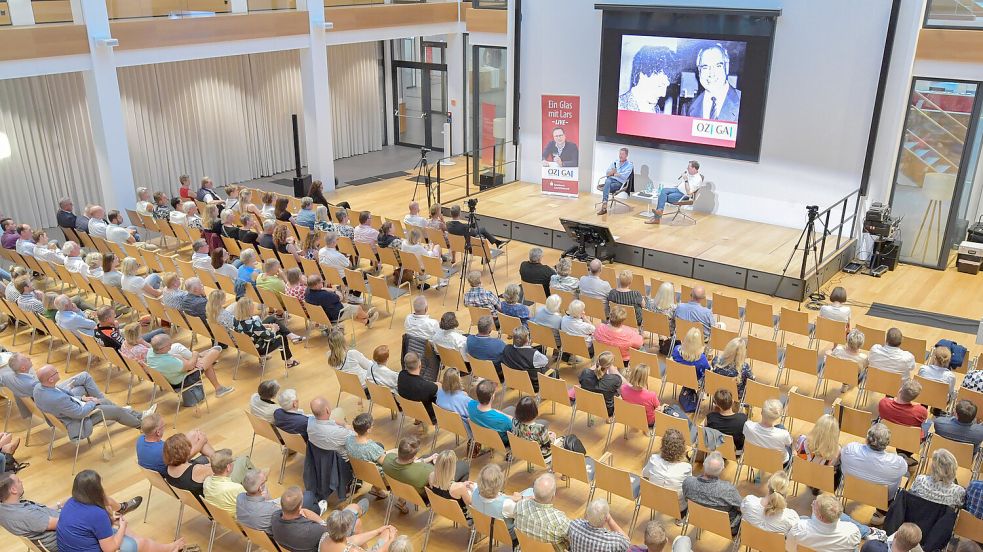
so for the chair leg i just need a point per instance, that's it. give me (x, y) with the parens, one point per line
(180, 518)
(426, 536)
(146, 508)
(283, 464)
(211, 536)
(51, 444)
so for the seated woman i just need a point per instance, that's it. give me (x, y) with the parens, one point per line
(322, 219)
(136, 284)
(345, 359)
(413, 244)
(182, 472)
(562, 280)
(211, 223)
(488, 498)
(94, 263)
(379, 372)
(296, 284)
(625, 295)
(247, 233)
(451, 394)
(221, 265)
(939, 485)
(217, 313)
(268, 335)
(134, 347)
(262, 403)
(284, 243)
(549, 316)
(615, 333)
(604, 378)
(111, 276)
(636, 391)
(937, 369)
(441, 480)
(821, 445)
(512, 303)
(691, 353)
(281, 210)
(306, 216)
(387, 236)
(575, 323)
(341, 535)
(361, 446)
(526, 426)
(769, 512)
(84, 522)
(669, 467)
(449, 336)
(836, 309)
(732, 362)
(344, 225)
(312, 244)
(266, 208)
(171, 292)
(851, 350)
(436, 219)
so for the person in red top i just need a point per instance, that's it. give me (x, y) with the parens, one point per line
(636, 391)
(185, 190)
(617, 334)
(901, 410)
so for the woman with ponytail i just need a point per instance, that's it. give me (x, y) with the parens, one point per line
(769, 512)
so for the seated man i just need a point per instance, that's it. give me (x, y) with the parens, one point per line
(30, 299)
(483, 346)
(539, 518)
(597, 531)
(220, 490)
(289, 417)
(592, 285)
(150, 445)
(764, 434)
(25, 240)
(194, 302)
(871, 462)
(478, 296)
(199, 256)
(331, 258)
(962, 427)
(295, 528)
(480, 411)
(323, 432)
(331, 302)
(711, 491)
(459, 227)
(414, 218)
(404, 466)
(890, 357)
(107, 331)
(74, 411)
(419, 324)
(263, 402)
(97, 222)
(254, 507)
(180, 365)
(19, 377)
(901, 410)
(907, 538)
(689, 182)
(411, 385)
(825, 530)
(534, 271)
(65, 216)
(617, 175)
(116, 232)
(70, 318)
(656, 540)
(694, 311)
(520, 355)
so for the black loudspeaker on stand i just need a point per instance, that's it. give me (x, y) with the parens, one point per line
(886, 254)
(302, 182)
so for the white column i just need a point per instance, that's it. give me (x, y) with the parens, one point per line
(456, 90)
(106, 112)
(387, 56)
(317, 98)
(21, 12)
(239, 6)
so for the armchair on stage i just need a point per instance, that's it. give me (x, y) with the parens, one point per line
(627, 188)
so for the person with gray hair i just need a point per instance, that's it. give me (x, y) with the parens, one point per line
(266, 238)
(199, 256)
(195, 301)
(592, 285)
(826, 530)
(343, 534)
(550, 316)
(562, 280)
(766, 434)
(711, 491)
(539, 519)
(306, 216)
(254, 508)
(478, 296)
(520, 355)
(289, 417)
(419, 324)
(871, 462)
(597, 531)
(69, 317)
(851, 350)
(145, 203)
(534, 271)
(939, 485)
(330, 257)
(73, 258)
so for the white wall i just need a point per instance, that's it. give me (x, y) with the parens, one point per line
(823, 80)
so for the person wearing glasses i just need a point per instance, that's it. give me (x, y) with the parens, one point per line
(718, 100)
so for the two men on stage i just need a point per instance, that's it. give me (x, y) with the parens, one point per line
(689, 182)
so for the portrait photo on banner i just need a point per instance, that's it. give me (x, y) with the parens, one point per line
(561, 152)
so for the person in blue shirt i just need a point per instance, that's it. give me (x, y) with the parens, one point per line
(306, 216)
(694, 311)
(247, 272)
(150, 445)
(690, 352)
(85, 525)
(974, 498)
(70, 318)
(485, 347)
(289, 417)
(618, 173)
(481, 412)
(962, 427)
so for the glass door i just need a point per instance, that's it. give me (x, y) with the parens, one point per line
(421, 103)
(931, 177)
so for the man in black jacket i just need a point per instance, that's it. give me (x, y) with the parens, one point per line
(459, 227)
(534, 271)
(66, 218)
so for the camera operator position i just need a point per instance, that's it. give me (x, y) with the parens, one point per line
(461, 228)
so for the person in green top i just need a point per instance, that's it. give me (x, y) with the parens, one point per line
(178, 364)
(404, 467)
(272, 277)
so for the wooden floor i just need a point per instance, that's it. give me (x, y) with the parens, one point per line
(947, 292)
(716, 238)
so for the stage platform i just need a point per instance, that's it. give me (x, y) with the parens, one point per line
(724, 250)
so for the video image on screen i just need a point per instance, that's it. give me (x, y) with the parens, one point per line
(681, 89)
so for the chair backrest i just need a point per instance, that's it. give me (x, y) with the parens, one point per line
(726, 449)
(969, 526)
(759, 539)
(446, 508)
(662, 500)
(801, 359)
(882, 381)
(865, 492)
(974, 397)
(157, 480)
(593, 307)
(451, 421)
(349, 383)
(478, 312)
(712, 381)
(508, 323)
(606, 348)
(591, 403)
(613, 480)
(769, 460)
(534, 293)
(526, 450)
(804, 407)
(962, 451)
(841, 370)
(630, 414)
(260, 538)
(793, 321)
(189, 500)
(452, 358)
(484, 525)
(414, 409)
(406, 492)
(356, 281)
(854, 421)
(763, 350)
(719, 338)
(681, 374)
(529, 544)
(813, 474)
(367, 472)
(484, 369)
(708, 519)
(382, 396)
(263, 428)
(833, 331)
(725, 305)
(872, 336)
(684, 326)
(225, 519)
(656, 323)
(574, 344)
(294, 442)
(904, 437)
(553, 390)
(759, 313)
(916, 346)
(542, 335)
(488, 438)
(569, 463)
(665, 421)
(518, 380)
(756, 393)
(934, 393)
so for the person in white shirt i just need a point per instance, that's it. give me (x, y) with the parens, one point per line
(329, 255)
(938, 369)
(414, 218)
(97, 223)
(669, 467)
(116, 232)
(344, 359)
(689, 182)
(380, 374)
(177, 216)
(419, 324)
(871, 462)
(448, 335)
(836, 309)
(824, 530)
(592, 285)
(200, 258)
(769, 512)
(764, 433)
(144, 205)
(890, 357)
(575, 324)
(73, 258)
(25, 242)
(263, 402)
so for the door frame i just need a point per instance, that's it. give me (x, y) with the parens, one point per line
(425, 97)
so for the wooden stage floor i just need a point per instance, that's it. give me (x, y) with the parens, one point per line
(753, 245)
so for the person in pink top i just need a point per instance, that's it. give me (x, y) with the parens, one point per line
(636, 391)
(134, 347)
(617, 334)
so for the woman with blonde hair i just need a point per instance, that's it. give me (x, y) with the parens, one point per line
(732, 362)
(512, 303)
(217, 313)
(769, 512)
(210, 220)
(436, 219)
(604, 378)
(691, 353)
(939, 484)
(625, 295)
(451, 394)
(562, 280)
(171, 292)
(345, 359)
(937, 369)
(94, 262)
(136, 284)
(617, 334)
(664, 302)
(441, 480)
(312, 244)
(322, 219)
(267, 335)
(134, 347)
(636, 391)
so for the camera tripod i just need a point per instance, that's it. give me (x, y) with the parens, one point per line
(808, 234)
(469, 252)
(422, 169)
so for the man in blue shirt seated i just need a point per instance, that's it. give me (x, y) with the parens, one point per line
(150, 445)
(962, 427)
(694, 311)
(330, 301)
(618, 173)
(974, 498)
(485, 347)
(289, 417)
(481, 412)
(70, 318)
(74, 411)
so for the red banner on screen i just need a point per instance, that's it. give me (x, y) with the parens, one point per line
(561, 145)
(677, 127)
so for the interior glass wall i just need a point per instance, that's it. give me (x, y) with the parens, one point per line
(420, 91)
(935, 170)
(489, 82)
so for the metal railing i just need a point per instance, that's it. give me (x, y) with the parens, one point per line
(476, 171)
(817, 240)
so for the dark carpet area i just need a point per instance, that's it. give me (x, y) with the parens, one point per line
(924, 318)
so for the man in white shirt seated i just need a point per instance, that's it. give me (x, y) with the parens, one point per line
(116, 232)
(323, 431)
(73, 258)
(177, 216)
(25, 240)
(97, 222)
(329, 256)
(414, 218)
(419, 324)
(890, 357)
(592, 285)
(871, 462)
(200, 258)
(689, 182)
(145, 204)
(824, 530)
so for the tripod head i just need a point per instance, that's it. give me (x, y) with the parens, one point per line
(813, 212)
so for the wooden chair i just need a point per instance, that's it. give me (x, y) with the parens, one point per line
(631, 416)
(905, 438)
(615, 481)
(795, 322)
(188, 500)
(880, 381)
(543, 335)
(754, 538)
(379, 287)
(799, 359)
(725, 306)
(763, 350)
(416, 411)
(476, 313)
(382, 396)
(766, 460)
(534, 293)
(571, 464)
(366, 472)
(554, 390)
(529, 544)
(493, 528)
(293, 442)
(853, 421)
(525, 450)
(916, 346)
(963, 452)
(934, 393)
(864, 492)
(594, 308)
(727, 449)
(812, 474)
(656, 324)
(681, 375)
(840, 370)
(349, 383)
(575, 345)
(260, 539)
(407, 493)
(762, 314)
(447, 509)
(453, 422)
(590, 403)
(707, 519)
(969, 526)
(974, 397)
(656, 499)
(488, 438)
(665, 421)
(755, 394)
(802, 407)
(156, 481)
(518, 380)
(830, 331)
(719, 338)
(712, 382)
(872, 336)
(267, 431)
(227, 522)
(508, 324)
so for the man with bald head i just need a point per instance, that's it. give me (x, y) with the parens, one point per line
(419, 324)
(74, 411)
(323, 432)
(194, 302)
(539, 519)
(20, 378)
(592, 285)
(711, 491)
(97, 221)
(414, 218)
(694, 311)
